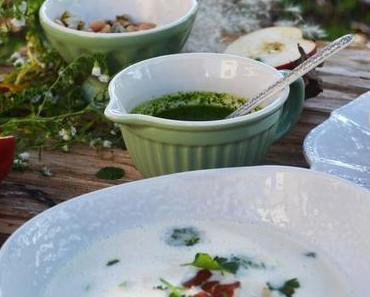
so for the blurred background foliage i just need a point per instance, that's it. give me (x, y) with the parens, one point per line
(338, 17)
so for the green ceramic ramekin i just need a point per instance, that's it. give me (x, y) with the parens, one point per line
(174, 18)
(161, 146)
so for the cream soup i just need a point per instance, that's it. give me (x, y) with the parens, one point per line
(221, 259)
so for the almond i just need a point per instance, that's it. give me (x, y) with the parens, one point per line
(146, 26)
(107, 29)
(97, 26)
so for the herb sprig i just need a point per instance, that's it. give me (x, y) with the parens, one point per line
(222, 264)
(44, 101)
(173, 290)
(288, 289)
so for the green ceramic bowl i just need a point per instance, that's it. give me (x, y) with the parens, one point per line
(161, 146)
(174, 18)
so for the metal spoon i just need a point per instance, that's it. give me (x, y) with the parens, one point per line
(298, 72)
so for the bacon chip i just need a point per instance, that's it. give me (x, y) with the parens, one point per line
(210, 286)
(202, 294)
(201, 277)
(225, 290)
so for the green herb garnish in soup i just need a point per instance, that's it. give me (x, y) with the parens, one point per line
(192, 106)
(187, 236)
(196, 258)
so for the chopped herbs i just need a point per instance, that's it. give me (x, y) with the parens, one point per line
(248, 263)
(110, 173)
(231, 265)
(173, 290)
(311, 255)
(113, 262)
(288, 289)
(205, 261)
(191, 106)
(183, 237)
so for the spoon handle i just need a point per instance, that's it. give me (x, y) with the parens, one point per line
(298, 72)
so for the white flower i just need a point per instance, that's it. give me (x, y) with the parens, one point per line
(15, 56)
(65, 148)
(18, 23)
(23, 7)
(36, 99)
(49, 95)
(112, 132)
(62, 132)
(73, 131)
(96, 71)
(25, 156)
(107, 144)
(295, 9)
(19, 62)
(313, 31)
(67, 137)
(104, 78)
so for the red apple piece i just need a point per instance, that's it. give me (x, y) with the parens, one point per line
(275, 46)
(7, 149)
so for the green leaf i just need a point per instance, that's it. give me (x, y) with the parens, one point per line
(183, 237)
(174, 291)
(110, 173)
(231, 265)
(205, 261)
(288, 289)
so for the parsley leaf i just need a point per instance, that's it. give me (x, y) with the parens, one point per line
(183, 237)
(222, 264)
(205, 261)
(288, 289)
(110, 173)
(229, 265)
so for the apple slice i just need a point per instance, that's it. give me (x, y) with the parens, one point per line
(7, 149)
(275, 46)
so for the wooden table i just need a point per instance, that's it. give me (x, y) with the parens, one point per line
(26, 194)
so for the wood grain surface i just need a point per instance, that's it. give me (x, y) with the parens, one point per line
(25, 194)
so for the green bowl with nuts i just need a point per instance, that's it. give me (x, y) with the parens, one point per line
(126, 31)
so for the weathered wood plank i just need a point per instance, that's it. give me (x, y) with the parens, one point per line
(25, 194)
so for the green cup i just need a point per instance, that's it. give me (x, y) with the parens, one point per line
(174, 18)
(161, 146)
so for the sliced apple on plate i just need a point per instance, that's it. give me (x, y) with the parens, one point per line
(275, 46)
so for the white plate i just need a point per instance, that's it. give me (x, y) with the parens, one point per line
(341, 145)
(329, 213)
